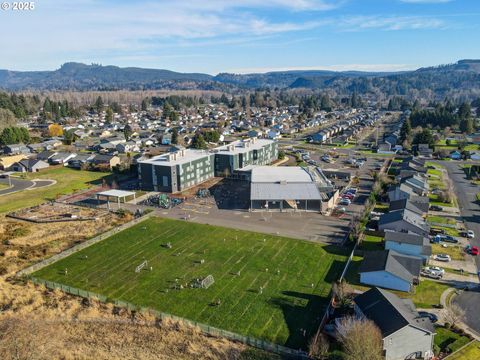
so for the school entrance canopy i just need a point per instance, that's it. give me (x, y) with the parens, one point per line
(116, 194)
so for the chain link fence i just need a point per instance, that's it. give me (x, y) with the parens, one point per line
(207, 329)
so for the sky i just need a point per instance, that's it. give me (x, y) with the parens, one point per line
(241, 36)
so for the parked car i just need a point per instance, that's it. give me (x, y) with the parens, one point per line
(448, 238)
(436, 269)
(348, 196)
(442, 257)
(345, 202)
(435, 231)
(473, 251)
(433, 318)
(470, 234)
(431, 275)
(436, 208)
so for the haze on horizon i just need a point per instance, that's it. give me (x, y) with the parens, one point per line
(242, 36)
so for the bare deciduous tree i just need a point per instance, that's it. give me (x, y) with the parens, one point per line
(361, 339)
(453, 314)
(318, 347)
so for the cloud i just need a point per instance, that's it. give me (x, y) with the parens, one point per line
(390, 23)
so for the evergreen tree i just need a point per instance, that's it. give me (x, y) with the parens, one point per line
(424, 137)
(144, 105)
(198, 142)
(8, 137)
(464, 111)
(109, 115)
(99, 105)
(406, 130)
(174, 137)
(466, 125)
(127, 132)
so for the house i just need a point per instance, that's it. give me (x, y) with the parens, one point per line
(403, 221)
(61, 158)
(16, 149)
(390, 269)
(456, 155)
(78, 161)
(274, 134)
(400, 191)
(129, 146)
(45, 155)
(385, 149)
(408, 244)
(418, 183)
(166, 139)
(424, 150)
(109, 161)
(7, 161)
(29, 165)
(417, 204)
(405, 334)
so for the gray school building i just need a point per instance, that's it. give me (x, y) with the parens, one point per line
(242, 153)
(181, 170)
(174, 172)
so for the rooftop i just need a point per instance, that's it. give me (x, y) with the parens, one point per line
(176, 158)
(279, 174)
(242, 146)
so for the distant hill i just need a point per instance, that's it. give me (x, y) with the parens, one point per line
(77, 76)
(458, 80)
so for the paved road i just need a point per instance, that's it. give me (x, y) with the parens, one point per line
(21, 184)
(17, 185)
(469, 302)
(467, 202)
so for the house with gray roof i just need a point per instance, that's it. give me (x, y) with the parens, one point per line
(390, 269)
(408, 244)
(418, 183)
(405, 334)
(29, 165)
(404, 221)
(400, 191)
(417, 204)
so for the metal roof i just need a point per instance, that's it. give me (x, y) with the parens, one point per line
(116, 193)
(284, 191)
(277, 174)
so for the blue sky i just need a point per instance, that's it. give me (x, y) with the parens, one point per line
(241, 35)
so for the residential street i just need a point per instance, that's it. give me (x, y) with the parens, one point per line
(466, 195)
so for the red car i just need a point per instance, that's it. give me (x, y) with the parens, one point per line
(349, 196)
(474, 251)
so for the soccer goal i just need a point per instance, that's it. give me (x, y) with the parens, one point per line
(207, 282)
(141, 266)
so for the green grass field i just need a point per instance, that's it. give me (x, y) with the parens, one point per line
(449, 341)
(68, 181)
(472, 351)
(287, 304)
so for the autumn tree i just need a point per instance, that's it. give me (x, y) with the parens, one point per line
(55, 130)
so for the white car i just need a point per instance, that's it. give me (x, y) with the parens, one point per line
(435, 270)
(442, 257)
(470, 234)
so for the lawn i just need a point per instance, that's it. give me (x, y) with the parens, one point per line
(68, 181)
(449, 341)
(428, 293)
(371, 242)
(455, 251)
(296, 276)
(434, 201)
(441, 220)
(3, 186)
(472, 351)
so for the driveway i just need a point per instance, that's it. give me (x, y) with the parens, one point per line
(467, 202)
